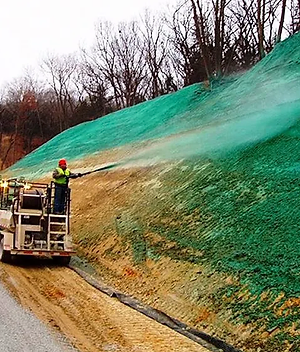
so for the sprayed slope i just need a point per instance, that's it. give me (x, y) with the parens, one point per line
(235, 199)
(237, 203)
(234, 114)
(234, 204)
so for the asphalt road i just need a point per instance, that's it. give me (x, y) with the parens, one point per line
(22, 331)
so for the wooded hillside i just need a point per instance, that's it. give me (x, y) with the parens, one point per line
(133, 62)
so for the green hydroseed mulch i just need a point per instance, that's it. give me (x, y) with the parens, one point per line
(235, 113)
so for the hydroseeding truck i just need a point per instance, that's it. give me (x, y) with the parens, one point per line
(28, 225)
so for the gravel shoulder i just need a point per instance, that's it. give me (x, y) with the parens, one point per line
(20, 330)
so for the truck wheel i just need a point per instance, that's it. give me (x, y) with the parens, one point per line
(5, 256)
(64, 261)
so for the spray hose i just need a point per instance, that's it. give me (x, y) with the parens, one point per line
(103, 168)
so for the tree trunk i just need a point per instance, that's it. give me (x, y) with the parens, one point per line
(260, 21)
(199, 37)
(281, 21)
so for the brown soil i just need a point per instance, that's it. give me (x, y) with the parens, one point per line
(179, 288)
(91, 320)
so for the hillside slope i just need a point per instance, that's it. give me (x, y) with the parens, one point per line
(237, 112)
(200, 218)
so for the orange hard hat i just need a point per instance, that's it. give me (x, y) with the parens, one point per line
(62, 162)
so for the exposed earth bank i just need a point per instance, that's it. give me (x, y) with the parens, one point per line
(114, 213)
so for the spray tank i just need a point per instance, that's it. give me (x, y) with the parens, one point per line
(28, 225)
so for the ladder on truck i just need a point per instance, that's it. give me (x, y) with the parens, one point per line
(58, 230)
(58, 224)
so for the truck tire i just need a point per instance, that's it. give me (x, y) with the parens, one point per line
(5, 256)
(64, 261)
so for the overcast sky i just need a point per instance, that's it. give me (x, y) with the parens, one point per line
(31, 29)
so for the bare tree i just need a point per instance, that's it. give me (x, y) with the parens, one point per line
(61, 77)
(180, 39)
(17, 113)
(219, 14)
(281, 23)
(130, 63)
(95, 86)
(119, 56)
(261, 6)
(156, 43)
(201, 34)
(295, 16)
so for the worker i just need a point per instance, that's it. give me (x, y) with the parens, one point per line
(61, 177)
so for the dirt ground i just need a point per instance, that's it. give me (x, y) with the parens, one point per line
(91, 320)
